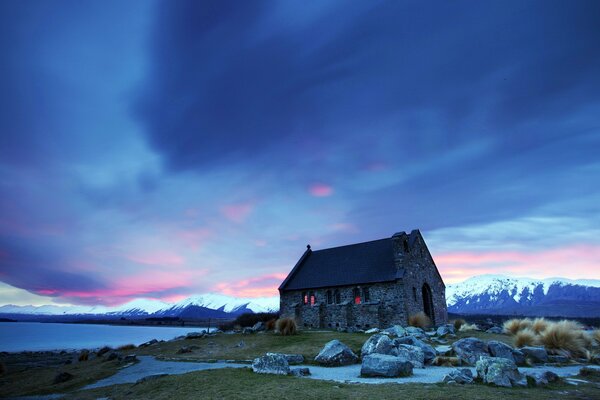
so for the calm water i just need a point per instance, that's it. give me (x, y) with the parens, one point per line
(19, 336)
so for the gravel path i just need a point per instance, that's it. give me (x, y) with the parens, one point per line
(150, 366)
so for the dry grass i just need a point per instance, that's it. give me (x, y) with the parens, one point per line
(126, 347)
(596, 336)
(419, 320)
(525, 337)
(441, 361)
(84, 355)
(287, 326)
(564, 338)
(539, 325)
(515, 325)
(270, 325)
(458, 323)
(466, 327)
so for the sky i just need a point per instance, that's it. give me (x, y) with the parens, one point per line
(166, 149)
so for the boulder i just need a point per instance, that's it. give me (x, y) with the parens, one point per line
(416, 332)
(444, 330)
(495, 329)
(372, 331)
(443, 350)
(149, 343)
(519, 357)
(590, 371)
(301, 371)
(500, 349)
(380, 344)
(558, 359)
(469, 350)
(384, 365)
(336, 353)
(259, 326)
(413, 354)
(292, 359)
(499, 372)
(461, 376)
(103, 351)
(428, 351)
(535, 354)
(396, 331)
(271, 363)
(62, 377)
(541, 378)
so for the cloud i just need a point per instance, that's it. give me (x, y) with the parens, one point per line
(261, 286)
(237, 212)
(320, 190)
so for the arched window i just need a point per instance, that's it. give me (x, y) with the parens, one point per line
(329, 297)
(366, 296)
(415, 293)
(428, 302)
(356, 295)
(304, 298)
(336, 297)
(313, 299)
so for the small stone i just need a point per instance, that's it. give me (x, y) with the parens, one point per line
(301, 371)
(541, 378)
(372, 331)
(240, 344)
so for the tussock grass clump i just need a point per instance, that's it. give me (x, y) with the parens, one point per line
(596, 336)
(287, 326)
(419, 320)
(458, 323)
(84, 355)
(515, 325)
(126, 347)
(539, 325)
(564, 338)
(525, 337)
(270, 325)
(469, 327)
(441, 361)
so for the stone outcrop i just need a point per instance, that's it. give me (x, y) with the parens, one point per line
(535, 354)
(335, 354)
(378, 343)
(469, 350)
(271, 363)
(383, 365)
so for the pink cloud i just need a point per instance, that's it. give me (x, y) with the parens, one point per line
(237, 212)
(194, 238)
(262, 286)
(320, 190)
(575, 262)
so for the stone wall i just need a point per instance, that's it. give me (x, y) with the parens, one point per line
(385, 308)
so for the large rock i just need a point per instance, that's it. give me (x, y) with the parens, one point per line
(336, 353)
(444, 330)
(396, 331)
(469, 350)
(413, 354)
(499, 372)
(380, 344)
(301, 371)
(443, 350)
(462, 376)
(541, 378)
(535, 354)
(385, 366)
(500, 349)
(194, 335)
(416, 332)
(271, 363)
(292, 359)
(428, 351)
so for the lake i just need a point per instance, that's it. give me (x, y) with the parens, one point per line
(21, 336)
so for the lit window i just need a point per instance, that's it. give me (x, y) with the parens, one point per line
(304, 298)
(313, 299)
(356, 295)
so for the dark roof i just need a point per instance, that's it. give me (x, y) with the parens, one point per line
(354, 264)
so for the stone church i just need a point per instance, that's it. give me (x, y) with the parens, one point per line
(364, 285)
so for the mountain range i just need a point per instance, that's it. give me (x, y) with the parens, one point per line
(484, 294)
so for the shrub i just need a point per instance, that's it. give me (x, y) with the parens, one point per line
(525, 337)
(126, 347)
(419, 320)
(458, 323)
(512, 326)
(270, 325)
(286, 326)
(564, 338)
(84, 355)
(539, 325)
(596, 336)
(469, 327)
(247, 319)
(441, 361)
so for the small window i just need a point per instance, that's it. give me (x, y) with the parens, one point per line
(337, 297)
(366, 295)
(313, 299)
(329, 297)
(304, 298)
(356, 295)
(415, 293)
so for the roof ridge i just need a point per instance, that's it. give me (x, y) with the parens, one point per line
(350, 245)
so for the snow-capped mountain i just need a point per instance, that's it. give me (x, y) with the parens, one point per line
(502, 295)
(207, 305)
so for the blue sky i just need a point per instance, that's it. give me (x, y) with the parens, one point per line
(162, 149)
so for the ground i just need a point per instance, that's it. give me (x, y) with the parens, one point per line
(242, 383)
